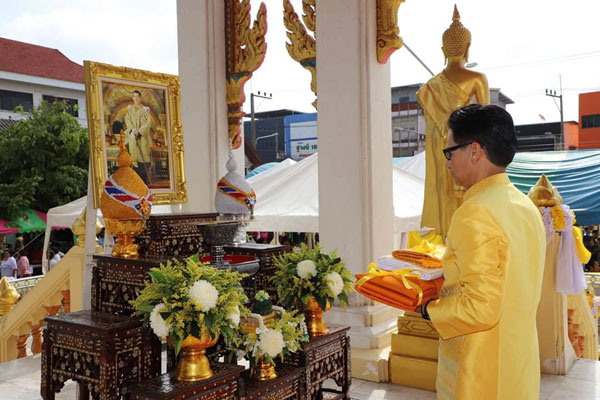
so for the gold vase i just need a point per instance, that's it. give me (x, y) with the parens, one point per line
(193, 364)
(262, 370)
(313, 314)
(125, 231)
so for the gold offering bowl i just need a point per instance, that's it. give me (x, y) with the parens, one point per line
(125, 231)
(313, 314)
(193, 364)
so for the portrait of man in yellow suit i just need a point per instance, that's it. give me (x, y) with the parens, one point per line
(138, 123)
(493, 267)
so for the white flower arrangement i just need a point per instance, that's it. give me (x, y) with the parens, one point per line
(204, 294)
(311, 274)
(281, 336)
(190, 299)
(335, 283)
(306, 269)
(157, 323)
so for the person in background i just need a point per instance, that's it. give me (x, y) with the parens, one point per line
(23, 267)
(55, 259)
(8, 266)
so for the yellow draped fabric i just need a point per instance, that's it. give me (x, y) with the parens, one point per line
(439, 97)
(583, 253)
(486, 314)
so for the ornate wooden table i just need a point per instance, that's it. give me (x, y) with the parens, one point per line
(103, 352)
(289, 384)
(326, 357)
(223, 385)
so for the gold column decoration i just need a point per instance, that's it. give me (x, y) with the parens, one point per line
(388, 33)
(303, 47)
(8, 296)
(245, 51)
(78, 228)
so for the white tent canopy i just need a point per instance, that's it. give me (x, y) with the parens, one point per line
(288, 200)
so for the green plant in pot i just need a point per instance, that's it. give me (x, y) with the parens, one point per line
(312, 281)
(192, 305)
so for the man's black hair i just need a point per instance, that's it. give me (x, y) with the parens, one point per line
(490, 126)
(138, 92)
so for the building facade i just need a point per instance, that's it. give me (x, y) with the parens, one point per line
(30, 74)
(408, 119)
(588, 136)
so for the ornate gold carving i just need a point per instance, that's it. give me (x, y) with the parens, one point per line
(8, 296)
(413, 324)
(245, 51)
(388, 33)
(94, 73)
(303, 47)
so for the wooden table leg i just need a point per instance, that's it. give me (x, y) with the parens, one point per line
(83, 393)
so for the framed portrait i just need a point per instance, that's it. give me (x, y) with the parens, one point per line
(145, 107)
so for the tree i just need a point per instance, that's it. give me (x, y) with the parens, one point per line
(43, 160)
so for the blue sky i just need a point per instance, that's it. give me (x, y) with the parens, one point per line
(521, 45)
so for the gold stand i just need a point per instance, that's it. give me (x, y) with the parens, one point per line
(263, 371)
(125, 231)
(414, 355)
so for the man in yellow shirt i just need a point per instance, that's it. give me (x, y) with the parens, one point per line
(138, 123)
(493, 267)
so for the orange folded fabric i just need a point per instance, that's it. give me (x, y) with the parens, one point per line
(424, 260)
(391, 291)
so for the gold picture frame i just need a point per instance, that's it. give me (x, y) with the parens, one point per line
(145, 105)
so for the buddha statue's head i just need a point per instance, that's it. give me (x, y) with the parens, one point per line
(456, 39)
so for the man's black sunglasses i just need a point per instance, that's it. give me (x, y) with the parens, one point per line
(448, 150)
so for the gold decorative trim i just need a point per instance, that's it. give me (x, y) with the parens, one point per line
(388, 33)
(245, 51)
(413, 324)
(95, 73)
(303, 47)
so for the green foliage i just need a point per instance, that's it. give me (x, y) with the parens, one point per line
(43, 160)
(170, 284)
(295, 291)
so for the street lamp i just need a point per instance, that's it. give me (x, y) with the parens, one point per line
(252, 123)
(276, 134)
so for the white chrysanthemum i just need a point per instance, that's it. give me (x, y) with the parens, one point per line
(306, 269)
(335, 283)
(157, 323)
(204, 294)
(234, 316)
(271, 342)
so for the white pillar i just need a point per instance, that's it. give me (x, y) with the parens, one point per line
(201, 45)
(355, 165)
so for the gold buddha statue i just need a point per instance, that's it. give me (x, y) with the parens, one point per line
(446, 92)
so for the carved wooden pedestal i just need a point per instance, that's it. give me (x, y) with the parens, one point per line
(325, 357)
(260, 280)
(289, 384)
(173, 235)
(222, 386)
(413, 360)
(103, 352)
(117, 281)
